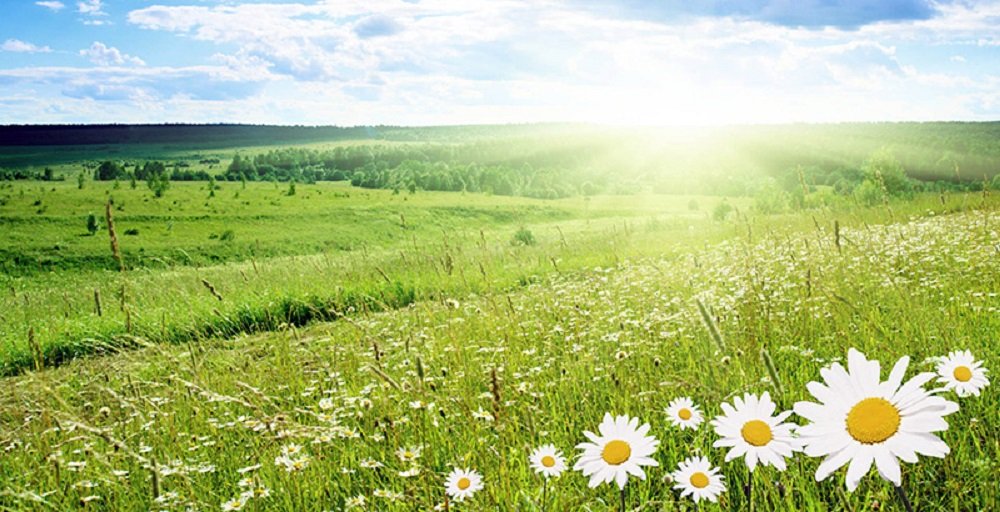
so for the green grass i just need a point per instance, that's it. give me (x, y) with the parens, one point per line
(291, 259)
(598, 316)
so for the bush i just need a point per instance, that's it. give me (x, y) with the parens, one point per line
(132, 232)
(227, 236)
(92, 225)
(722, 211)
(868, 194)
(523, 236)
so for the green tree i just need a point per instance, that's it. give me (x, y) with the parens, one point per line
(882, 169)
(108, 171)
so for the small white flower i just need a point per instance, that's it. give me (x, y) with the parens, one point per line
(683, 413)
(961, 372)
(234, 504)
(413, 471)
(547, 461)
(355, 502)
(751, 430)
(621, 449)
(463, 483)
(695, 477)
(409, 454)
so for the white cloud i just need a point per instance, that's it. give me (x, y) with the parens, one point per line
(103, 55)
(54, 6)
(91, 7)
(18, 46)
(459, 61)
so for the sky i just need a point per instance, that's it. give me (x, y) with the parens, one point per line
(432, 62)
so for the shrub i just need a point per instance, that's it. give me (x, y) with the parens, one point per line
(523, 236)
(722, 211)
(92, 226)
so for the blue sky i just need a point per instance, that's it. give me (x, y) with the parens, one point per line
(348, 62)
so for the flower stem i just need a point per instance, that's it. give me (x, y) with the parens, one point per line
(545, 494)
(902, 497)
(621, 506)
(748, 489)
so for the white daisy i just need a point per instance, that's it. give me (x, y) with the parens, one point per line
(234, 504)
(463, 483)
(695, 477)
(961, 372)
(547, 461)
(683, 413)
(752, 430)
(862, 420)
(621, 449)
(409, 454)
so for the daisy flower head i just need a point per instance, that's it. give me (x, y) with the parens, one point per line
(463, 483)
(358, 501)
(862, 420)
(750, 429)
(683, 413)
(621, 449)
(959, 371)
(234, 504)
(547, 461)
(695, 477)
(409, 454)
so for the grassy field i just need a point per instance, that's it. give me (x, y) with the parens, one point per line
(341, 326)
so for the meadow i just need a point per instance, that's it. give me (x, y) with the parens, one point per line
(348, 348)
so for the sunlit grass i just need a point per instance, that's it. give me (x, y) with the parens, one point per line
(532, 351)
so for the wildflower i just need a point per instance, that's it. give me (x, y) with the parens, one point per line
(683, 413)
(463, 483)
(370, 464)
(234, 504)
(961, 372)
(621, 449)
(861, 420)
(547, 461)
(409, 454)
(695, 477)
(358, 501)
(750, 429)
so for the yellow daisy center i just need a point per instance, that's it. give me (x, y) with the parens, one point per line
(464, 483)
(684, 414)
(548, 461)
(407, 455)
(873, 420)
(616, 452)
(962, 373)
(699, 480)
(757, 433)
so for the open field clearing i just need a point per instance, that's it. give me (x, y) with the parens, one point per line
(513, 348)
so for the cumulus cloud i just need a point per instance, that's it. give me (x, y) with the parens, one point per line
(104, 55)
(18, 46)
(53, 5)
(91, 8)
